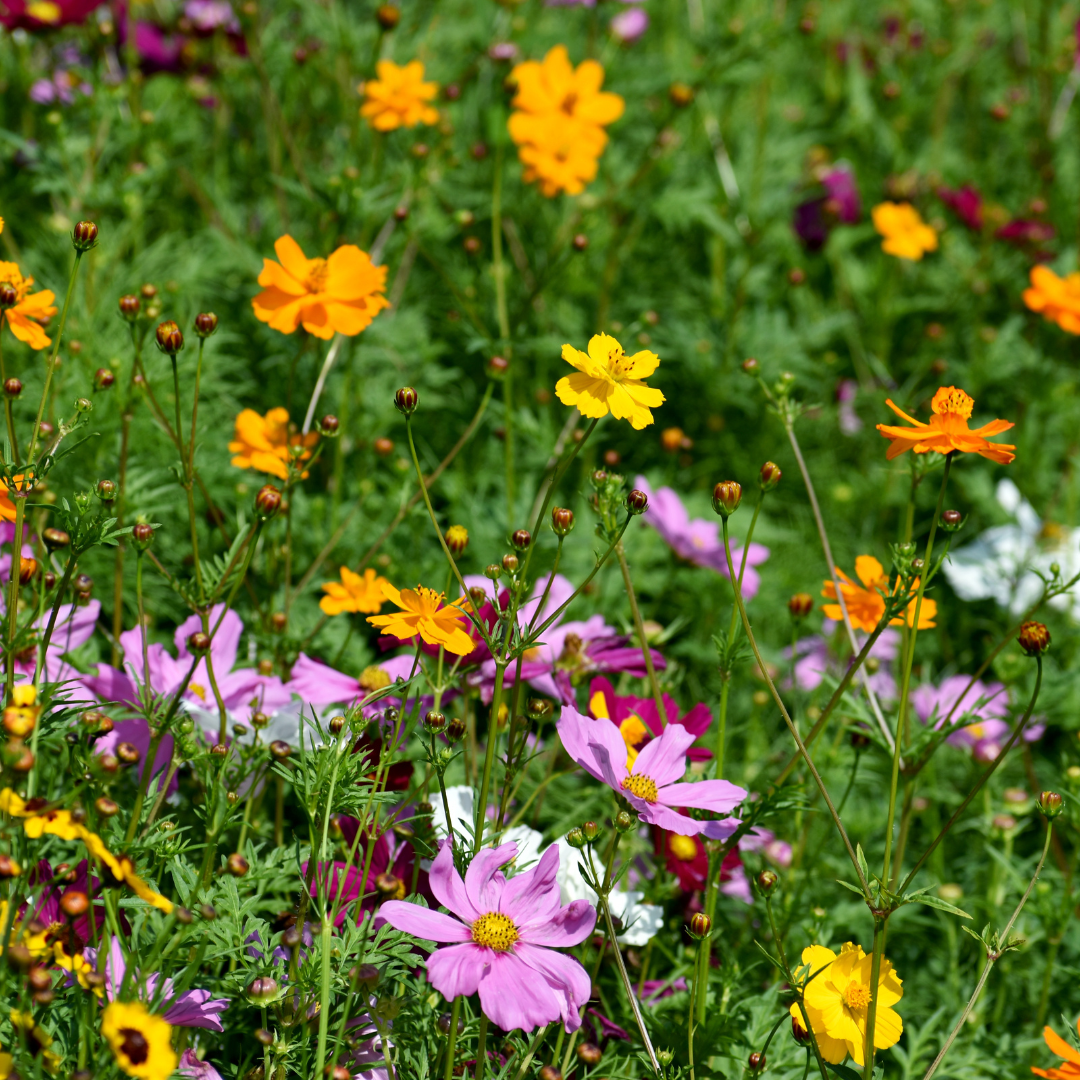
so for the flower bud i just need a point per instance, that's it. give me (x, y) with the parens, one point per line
(637, 502)
(497, 367)
(1034, 638)
(84, 405)
(510, 563)
(207, 912)
(700, 925)
(951, 520)
(8, 296)
(28, 569)
(103, 379)
(12, 388)
(142, 535)
(576, 838)
(205, 323)
(859, 740)
(406, 400)
(727, 495)
(261, 990)
(128, 753)
(800, 605)
(1050, 804)
(236, 864)
(84, 236)
(562, 521)
(280, 750)
(625, 821)
(129, 307)
(580, 242)
(769, 476)
(336, 725)
(387, 16)
(767, 880)
(755, 1062)
(50, 581)
(589, 1054)
(492, 571)
(520, 540)
(169, 337)
(455, 730)
(365, 976)
(798, 1032)
(382, 446)
(9, 868)
(434, 721)
(539, 709)
(74, 903)
(444, 1022)
(83, 585)
(591, 831)
(198, 643)
(457, 540)
(107, 490)
(477, 595)
(19, 957)
(329, 426)
(55, 539)
(267, 501)
(549, 1072)
(106, 808)
(751, 366)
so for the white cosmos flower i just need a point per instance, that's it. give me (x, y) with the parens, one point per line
(462, 802)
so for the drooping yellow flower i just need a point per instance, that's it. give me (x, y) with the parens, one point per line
(1057, 298)
(866, 605)
(340, 294)
(906, 235)
(142, 890)
(422, 612)
(607, 380)
(399, 97)
(947, 432)
(837, 999)
(22, 317)
(354, 593)
(140, 1041)
(36, 1038)
(559, 120)
(264, 443)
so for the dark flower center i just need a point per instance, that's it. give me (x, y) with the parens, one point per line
(134, 1047)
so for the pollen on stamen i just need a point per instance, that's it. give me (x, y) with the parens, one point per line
(644, 787)
(950, 399)
(495, 931)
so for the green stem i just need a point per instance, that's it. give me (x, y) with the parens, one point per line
(451, 1041)
(880, 922)
(489, 756)
(504, 329)
(13, 590)
(639, 626)
(481, 1048)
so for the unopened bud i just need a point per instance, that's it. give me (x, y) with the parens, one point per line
(455, 730)
(169, 338)
(492, 571)
(1050, 804)
(262, 990)
(107, 490)
(129, 307)
(457, 540)
(539, 709)
(329, 426)
(336, 725)
(236, 864)
(434, 721)
(562, 521)
(280, 750)
(521, 539)
(680, 95)
(589, 1054)
(267, 501)
(103, 379)
(142, 535)
(951, 520)
(406, 400)
(497, 367)
(751, 366)
(12, 388)
(700, 925)
(549, 1072)
(28, 569)
(769, 476)
(756, 1062)
(388, 16)
(625, 821)
(55, 539)
(9, 868)
(106, 807)
(479, 596)
(205, 323)
(84, 236)
(8, 296)
(727, 495)
(576, 838)
(637, 502)
(510, 563)
(1034, 638)
(591, 831)
(580, 242)
(798, 1032)
(199, 643)
(128, 753)
(767, 880)
(800, 605)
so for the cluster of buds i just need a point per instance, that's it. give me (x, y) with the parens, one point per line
(580, 835)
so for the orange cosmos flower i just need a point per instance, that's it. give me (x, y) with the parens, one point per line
(340, 294)
(422, 613)
(354, 593)
(948, 430)
(562, 155)
(1069, 1069)
(866, 605)
(907, 236)
(22, 317)
(263, 443)
(399, 97)
(1057, 298)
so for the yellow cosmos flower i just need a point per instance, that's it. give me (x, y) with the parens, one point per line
(906, 235)
(140, 1041)
(264, 443)
(22, 317)
(609, 381)
(1057, 298)
(837, 999)
(562, 154)
(399, 97)
(866, 605)
(422, 612)
(340, 294)
(37, 1040)
(354, 593)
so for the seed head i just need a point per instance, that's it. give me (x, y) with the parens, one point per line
(1034, 638)
(727, 495)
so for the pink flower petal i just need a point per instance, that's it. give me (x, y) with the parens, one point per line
(424, 923)
(448, 888)
(567, 927)
(567, 978)
(457, 970)
(512, 996)
(533, 896)
(483, 881)
(574, 731)
(664, 759)
(720, 796)
(659, 814)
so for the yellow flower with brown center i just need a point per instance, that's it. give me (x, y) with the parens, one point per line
(36, 1039)
(267, 444)
(399, 97)
(838, 996)
(422, 612)
(866, 605)
(609, 381)
(140, 1041)
(355, 593)
(25, 314)
(905, 233)
(340, 294)
(1055, 298)
(559, 120)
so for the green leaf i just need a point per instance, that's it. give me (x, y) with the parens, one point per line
(941, 905)
(848, 885)
(861, 859)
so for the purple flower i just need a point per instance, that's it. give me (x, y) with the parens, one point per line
(318, 684)
(696, 540)
(629, 25)
(966, 203)
(501, 937)
(840, 204)
(653, 788)
(193, 1008)
(192, 1067)
(208, 15)
(987, 703)
(814, 660)
(368, 1061)
(846, 391)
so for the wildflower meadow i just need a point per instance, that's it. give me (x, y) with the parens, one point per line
(539, 539)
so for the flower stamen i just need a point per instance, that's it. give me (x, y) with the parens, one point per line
(495, 931)
(644, 787)
(857, 997)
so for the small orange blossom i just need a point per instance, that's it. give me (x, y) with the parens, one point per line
(399, 97)
(948, 430)
(906, 235)
(1069, 1069)
(422, 612)
(354, 593)
(22, 317)
(866, 605)
(1057, 298)
(263, 443)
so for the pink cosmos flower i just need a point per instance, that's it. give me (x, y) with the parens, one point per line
(814, 660)
(501, 938)
(986, 703)
(194, 1069)
(318, 684)
(629, 25)
(966, 203)
(652, 785)
(697, 540)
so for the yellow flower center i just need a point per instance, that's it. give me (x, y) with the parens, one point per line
(44, 11)
(951, 400)
(569, 103)
(197, 690)
(857, 997)
(617, 364)
(10, 275)
(494, 931)
(644, 787)
(317, 274)
(373, 678)
(682, 847)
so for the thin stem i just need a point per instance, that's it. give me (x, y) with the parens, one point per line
(992, 958)
(489, 756)
(880, 923)
(451, 1042)
(501, 314)
(654, 683)
(13, 589)
(481, 1048)
(787, 718)
(320, 382)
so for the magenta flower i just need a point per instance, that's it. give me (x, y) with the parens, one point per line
(650, 780)
(966, 203)
(838, 204)
(629, 25)
(501, 938)
(698, 540)
(846, 392)
(318, 684)
(814, 660)
(195, 1069)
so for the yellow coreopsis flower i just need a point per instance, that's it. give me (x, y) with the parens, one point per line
(23, 315)
(399, 97)
(354, 593)
(906, 235)
(609, 381)
(422, 612)
(837, 999)
(140, 1041)
(1056, 298)
(265, 443)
